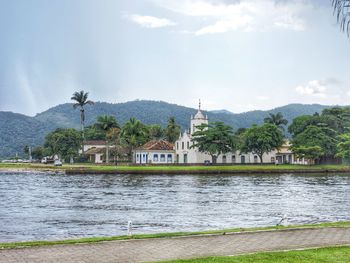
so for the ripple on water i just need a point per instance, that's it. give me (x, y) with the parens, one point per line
(52, 206)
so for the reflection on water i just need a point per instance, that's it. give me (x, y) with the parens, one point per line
(56, 206)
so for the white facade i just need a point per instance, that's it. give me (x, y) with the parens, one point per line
(154, 157)
(186, 154)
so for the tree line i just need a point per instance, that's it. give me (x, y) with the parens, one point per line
(318, 137)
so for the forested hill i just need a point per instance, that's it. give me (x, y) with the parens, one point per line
(17, 130)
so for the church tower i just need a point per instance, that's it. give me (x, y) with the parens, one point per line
(198, 119)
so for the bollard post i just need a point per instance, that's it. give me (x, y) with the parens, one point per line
(129, 228)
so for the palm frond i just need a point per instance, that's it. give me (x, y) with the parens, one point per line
(342, 12)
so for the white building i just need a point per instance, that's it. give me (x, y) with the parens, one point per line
(186, 154)
(156, 152)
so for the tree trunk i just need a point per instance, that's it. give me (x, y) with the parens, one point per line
(82, 119)
(107, 152)
(261, 158)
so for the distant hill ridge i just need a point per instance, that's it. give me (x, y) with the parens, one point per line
(17, 130)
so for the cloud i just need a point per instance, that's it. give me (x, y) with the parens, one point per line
(314, 88)
(246, 15)
(263, 97)
(150, 21)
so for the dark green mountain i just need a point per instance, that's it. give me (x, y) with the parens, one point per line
(17, 130)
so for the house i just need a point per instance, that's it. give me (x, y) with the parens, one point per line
(94, 144)
(156, 152)
(186, 154)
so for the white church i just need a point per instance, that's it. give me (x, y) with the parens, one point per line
(181, 152)
(186, 154)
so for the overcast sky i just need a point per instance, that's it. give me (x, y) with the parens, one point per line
(234, 55)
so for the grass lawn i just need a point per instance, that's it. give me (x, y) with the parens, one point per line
(342, 224)
(256, 168)
(331, 254)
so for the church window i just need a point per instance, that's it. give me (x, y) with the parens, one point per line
(224, 159)
(233, 158)
(255, 159)
(162, 157)
(188, 145)
(183, 145)
(177, 145)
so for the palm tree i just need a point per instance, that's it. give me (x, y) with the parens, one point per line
(342, 11)
(133, 134)
(172, 131)
(81, 99)
(106, 123)
(276, 119)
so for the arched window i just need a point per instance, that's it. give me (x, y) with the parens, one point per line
(233, 159)
(255, 159)
(242, 159)
(183, 145)
(224, 159)
(188, 145)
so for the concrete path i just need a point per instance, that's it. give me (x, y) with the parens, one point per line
(149, 250)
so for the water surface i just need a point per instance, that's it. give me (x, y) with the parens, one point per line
(43, 206)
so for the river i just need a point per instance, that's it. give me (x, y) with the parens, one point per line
(49, 206)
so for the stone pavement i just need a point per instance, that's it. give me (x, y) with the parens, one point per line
(148, 250)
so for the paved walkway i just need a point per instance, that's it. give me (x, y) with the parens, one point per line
(149, 250)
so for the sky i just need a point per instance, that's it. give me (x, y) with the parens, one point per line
(238, 55)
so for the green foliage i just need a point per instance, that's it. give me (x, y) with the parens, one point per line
(343, 148)
(155, 132)
(214, 139)
(276, 119)
(308, 152)
(134, 133)
(262, 139)
(17, 130)
(39, 152)
(172, 131)
(64, 142)
(312, 136)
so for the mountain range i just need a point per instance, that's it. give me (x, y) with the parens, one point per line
(18, 130)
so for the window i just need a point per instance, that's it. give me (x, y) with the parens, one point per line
(177, 145)
(155, 157)
(185, 158)
(162, 157)
(137, 157)
(233, 158)
(255, 159)
(242, 159)
(273, 160)
(193, 128)
(183, 145)
(224, 159)
(170, 158)
(188, 145)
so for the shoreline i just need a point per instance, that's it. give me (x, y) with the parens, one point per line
(177, 170)
(236, 231)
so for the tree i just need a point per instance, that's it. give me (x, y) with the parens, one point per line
(342, 11)
(81, 99)
(105, 123)
(343, 147)
(155, 132)
(214, 139)
(262, 139)
(38, 152)
(64, 142)
(276, 119)
(134, 133)
(172, 131)
(113, 137)
(312, 136)
(308, 152)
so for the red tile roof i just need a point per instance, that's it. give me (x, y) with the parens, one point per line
(157, 145)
